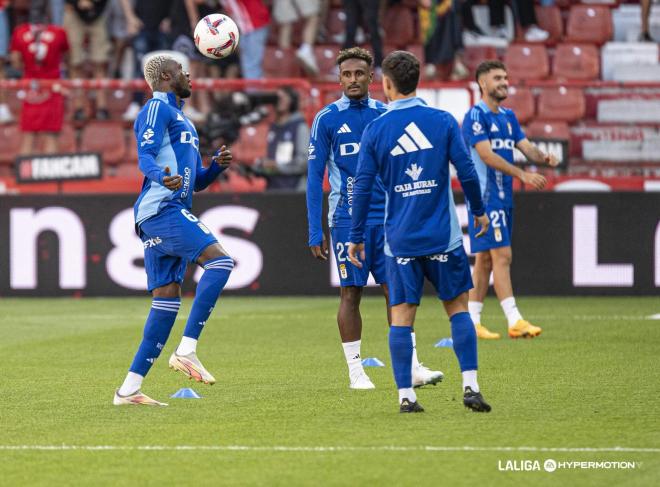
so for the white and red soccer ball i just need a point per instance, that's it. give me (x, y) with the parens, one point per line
(216, 36)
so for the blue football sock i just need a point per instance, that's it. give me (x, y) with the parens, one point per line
(401, 350)
(465, 340)
(216, 274)
(156, 330)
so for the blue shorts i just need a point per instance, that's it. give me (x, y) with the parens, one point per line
(498, 234)
(374, 243)
(171, 239)
(449, 273)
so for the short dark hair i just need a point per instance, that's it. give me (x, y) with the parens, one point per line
(402, 67)
(355, 53)
(487, 66)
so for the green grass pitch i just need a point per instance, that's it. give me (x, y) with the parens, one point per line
(590, 381)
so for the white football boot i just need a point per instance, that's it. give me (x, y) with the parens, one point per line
(192, 367)
(422, 376)
(361, 381)
(135, 399)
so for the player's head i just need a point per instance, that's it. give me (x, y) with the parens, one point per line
(287, 101)
(400, 74)
(492, 80)
(355, 71)
(164, 73)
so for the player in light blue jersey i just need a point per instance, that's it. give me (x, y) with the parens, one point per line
(169, 158)
(409, 148)
(491, 132)
(335, 144)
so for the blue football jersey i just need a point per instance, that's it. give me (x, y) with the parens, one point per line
(409, 148)
(166, 138)
(503, 131)
(335, 142)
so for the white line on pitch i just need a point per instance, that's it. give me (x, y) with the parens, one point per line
(275, 448)
(654, 317)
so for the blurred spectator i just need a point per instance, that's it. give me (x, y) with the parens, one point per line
(644, 35)
(87, 18)
(252, 18)
(39, 47)
(5, 114)
(286, 158)
(442, 34)
(146, 23)
(118, 32)
(56, 12)
(285, 13)
(368, 11)
(523, 11)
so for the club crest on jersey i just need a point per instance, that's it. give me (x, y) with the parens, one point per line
(414, 172)
(147, 137)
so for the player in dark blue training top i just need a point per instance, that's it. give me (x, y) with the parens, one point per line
(491, 132)
(335, 143)
(409, 148)
(169, 158)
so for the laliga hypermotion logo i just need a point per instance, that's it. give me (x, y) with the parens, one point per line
(217, 51)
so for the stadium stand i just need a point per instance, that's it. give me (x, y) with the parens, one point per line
(527, 62)
(561, 104)
(549, 18)
(105, 137)
(521, 101)
(576, 61)
(589, 23)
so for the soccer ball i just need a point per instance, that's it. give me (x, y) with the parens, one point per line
(216, 36)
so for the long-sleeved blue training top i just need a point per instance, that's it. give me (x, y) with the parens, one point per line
(335, 142)
(166, 138)
(409, 148)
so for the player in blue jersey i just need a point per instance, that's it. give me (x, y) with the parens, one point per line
(409, 148)
(491, 132)
(169, 158)
(335, 143)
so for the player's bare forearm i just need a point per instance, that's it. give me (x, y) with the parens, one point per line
(536, 155)
(500, 164)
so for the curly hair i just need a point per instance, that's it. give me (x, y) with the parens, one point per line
(355, 53)
(153, 69)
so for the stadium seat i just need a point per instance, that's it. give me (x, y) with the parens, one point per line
(10, 141)
(281, 63)
(589, 23)
(107, 138)
(527, 62)
(399, 26)
(521, 101)
(326, 59)
(474, 55)
(549, 19)
(118, 101)
(252, 143)
(67, 140)
(335, 25)
(576, 61)
(547, 129)
(561, 104)
(416, 49)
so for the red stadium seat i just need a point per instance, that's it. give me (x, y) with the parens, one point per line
(521, 101)
(118, 101)
(527, 62)
(10, 141)
(326, 60)
(280, 63)
(589, 23)
(251, 144)
(550, 130)
(399, 26)
(561, 104)
(474, 55)
(549, 19)
(107, 138)
(336, 24)
(576, 61)
(67, 140)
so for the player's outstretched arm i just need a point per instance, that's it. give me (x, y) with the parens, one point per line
(536, 155)
(489, 157)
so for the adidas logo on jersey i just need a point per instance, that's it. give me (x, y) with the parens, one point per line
(411, 141)
(179, 117)
(493, 128)
(344, 129)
